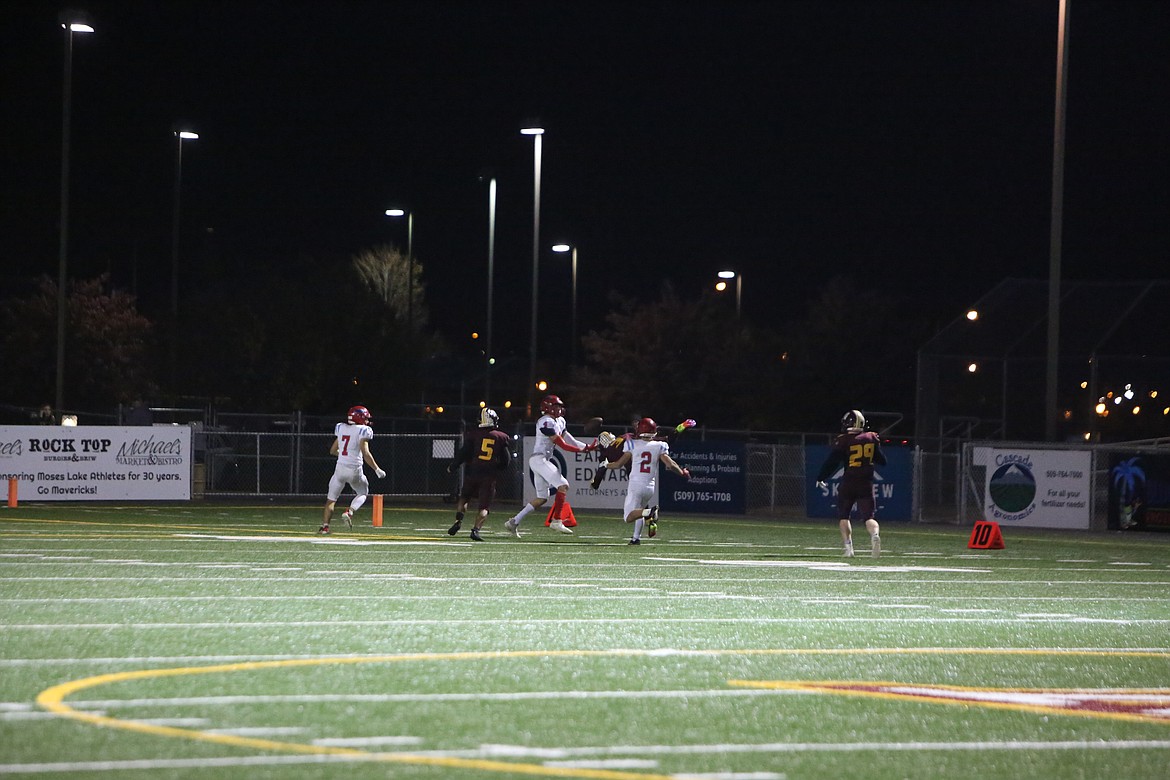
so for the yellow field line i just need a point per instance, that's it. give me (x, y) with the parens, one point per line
(53, 699)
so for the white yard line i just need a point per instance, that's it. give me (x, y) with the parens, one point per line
(489, 751)
(640, 621)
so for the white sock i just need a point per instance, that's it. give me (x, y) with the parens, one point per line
(641, 521)
(521, 514)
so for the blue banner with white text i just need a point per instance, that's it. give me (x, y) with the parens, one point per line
(718, 483)
(892, 485)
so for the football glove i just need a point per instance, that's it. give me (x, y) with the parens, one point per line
(380, 473)
(606, 439)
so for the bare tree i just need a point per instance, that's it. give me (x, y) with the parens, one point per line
(388, 272)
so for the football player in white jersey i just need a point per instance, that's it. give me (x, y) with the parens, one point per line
(351, 445)
(644, 453)
(546, 474)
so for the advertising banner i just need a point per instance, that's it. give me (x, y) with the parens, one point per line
(718, 483)
(892, 485)
(1139, 491)
(579, 468)
(97, 463)
(1036, 488)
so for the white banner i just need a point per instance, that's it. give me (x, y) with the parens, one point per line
(579, 468)
(97, 463)
(1037, 488)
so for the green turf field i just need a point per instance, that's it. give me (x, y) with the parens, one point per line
(206, 641)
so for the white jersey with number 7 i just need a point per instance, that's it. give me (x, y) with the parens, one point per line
(349, 442)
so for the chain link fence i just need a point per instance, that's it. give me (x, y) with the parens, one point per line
(257, 464)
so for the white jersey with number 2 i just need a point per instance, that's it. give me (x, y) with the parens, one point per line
(644, 460)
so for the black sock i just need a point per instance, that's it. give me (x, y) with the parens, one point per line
(458, 517)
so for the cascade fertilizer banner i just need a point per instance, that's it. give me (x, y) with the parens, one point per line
(1036, 488)
(892, 484)
(97, 463)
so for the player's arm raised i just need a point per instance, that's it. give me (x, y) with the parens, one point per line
(567, 442)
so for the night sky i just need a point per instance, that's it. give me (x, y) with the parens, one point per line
(908, 144)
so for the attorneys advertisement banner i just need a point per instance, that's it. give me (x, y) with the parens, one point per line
(97, 463)
(718, 483)
(579, 468)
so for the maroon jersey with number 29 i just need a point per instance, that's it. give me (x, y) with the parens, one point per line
(857, 453)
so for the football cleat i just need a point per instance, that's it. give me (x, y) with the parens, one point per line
(849, 550)
(512, 527)
(635, 541)
(557, 525)
(455, 528)
(323, 529)
(475, 537)
(348, 515)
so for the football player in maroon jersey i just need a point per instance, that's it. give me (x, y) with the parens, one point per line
(856, 451)
(485, 454)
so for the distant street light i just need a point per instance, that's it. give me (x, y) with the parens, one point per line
(180, 136)
(71, 22)
(409, 262)
(573, 248)
(721, 286)
(537, 133)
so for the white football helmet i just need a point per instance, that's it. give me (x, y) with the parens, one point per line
(853, 422)
(488, 418)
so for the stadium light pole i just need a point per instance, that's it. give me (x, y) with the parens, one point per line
(491, 259)
(721, 286)
(409, 262)
(180, 137)
(537, 133)
(573, 249)
(1056, 230)
(72, 22)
